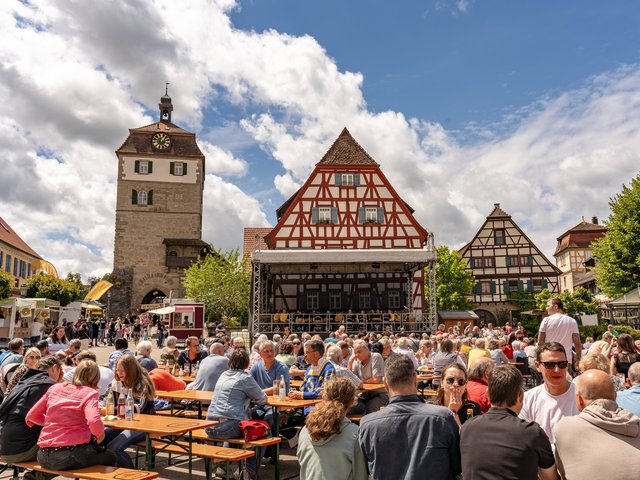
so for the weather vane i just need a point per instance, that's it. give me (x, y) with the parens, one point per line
(166, 88)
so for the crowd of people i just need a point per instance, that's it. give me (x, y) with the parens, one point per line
(503, 404)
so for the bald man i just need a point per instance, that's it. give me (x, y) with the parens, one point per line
(603, 440)
(210, 369)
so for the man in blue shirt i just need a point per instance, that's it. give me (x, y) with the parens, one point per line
(630, 399)
(264, 372)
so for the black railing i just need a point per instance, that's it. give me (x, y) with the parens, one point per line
(182, 262)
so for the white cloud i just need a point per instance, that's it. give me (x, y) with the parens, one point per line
(222, 162)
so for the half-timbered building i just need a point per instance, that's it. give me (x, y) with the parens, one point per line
(505, 261)
(346, 250)
(574, 253)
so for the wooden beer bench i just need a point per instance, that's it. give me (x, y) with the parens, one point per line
(95, 472)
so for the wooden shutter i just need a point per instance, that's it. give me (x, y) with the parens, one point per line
(134, 197)
(314, 215)
(508, 261)
(136, 166)
(150, 197)
(172, 168)
(493, 287)
(505, 286)
(380, 215)
(520, 285)
(184, 168)
(356, 179)
(361, 215)
(530, 260)
(150, 166)
(530, 285)
(545, 283)
(334, 215)
(472, 263)
(338, 181)
(477, 288)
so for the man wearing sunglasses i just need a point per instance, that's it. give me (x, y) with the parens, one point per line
(550, 402)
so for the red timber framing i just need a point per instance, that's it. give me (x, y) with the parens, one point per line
(345, 245)
(504, 260)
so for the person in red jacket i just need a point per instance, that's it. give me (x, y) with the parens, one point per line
(478, 382)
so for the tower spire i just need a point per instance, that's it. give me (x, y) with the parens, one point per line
(165, 105)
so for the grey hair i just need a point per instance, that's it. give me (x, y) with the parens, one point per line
(171, 340)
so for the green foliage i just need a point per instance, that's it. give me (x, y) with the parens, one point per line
(219, 281)
(617, 254)
(48, 286)
(531, 324)
(5, 284)
(77, 279)
(581, 301)
(523, 300)
(453, 281)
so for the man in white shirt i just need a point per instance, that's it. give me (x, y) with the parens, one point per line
(561, 328)
(555, 399)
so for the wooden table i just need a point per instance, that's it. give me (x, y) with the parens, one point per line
(198, 396)
(372, 387)
(159, 427)
(276, 404)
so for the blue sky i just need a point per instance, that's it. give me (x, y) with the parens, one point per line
(535, 105)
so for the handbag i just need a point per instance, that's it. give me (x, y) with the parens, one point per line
(254, 429)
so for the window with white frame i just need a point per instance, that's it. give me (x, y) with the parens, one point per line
(485, 288)
(364, 300)
(347, 179)
(313, 300)
(394, 299)
(335, 300)
(324, 214)
(143, 167)
(178, 169)
(498, 236)
(142, 198)
(371, 214)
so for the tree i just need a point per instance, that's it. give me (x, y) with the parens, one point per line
(580, 301)
(617, 254)
(453, 281)
(5, 284)
(220, 282)
(48, 286)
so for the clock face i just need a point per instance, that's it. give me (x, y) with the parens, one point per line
(161, 141)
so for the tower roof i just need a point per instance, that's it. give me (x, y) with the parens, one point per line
(346, 151)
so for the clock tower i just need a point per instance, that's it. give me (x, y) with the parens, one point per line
(158, 213)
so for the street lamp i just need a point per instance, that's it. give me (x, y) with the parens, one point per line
(23, 290)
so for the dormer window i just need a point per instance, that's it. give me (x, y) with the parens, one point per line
(347, 179)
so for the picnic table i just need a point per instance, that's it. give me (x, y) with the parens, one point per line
(198, 396)
(165, 430)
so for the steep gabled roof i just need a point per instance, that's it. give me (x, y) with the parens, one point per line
(11, 238)
(139, 140)
(346, 151)
(497, 212)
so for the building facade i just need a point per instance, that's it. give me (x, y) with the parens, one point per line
(158, 213)
(505, 261)
(346, 250)
(18, 259)
(574, 255)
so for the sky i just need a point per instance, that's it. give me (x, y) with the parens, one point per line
(463, 103)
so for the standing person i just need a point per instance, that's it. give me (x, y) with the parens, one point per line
(613, 432)
(70, 419)
(111, 332)
(328, 443)
(548, 403)
(57, 340)
(409, 439)
(234, 390)
(94, 330)
(561, 328)
(162, 331)
(102, 327)
(499, 444)
(37, 328)
(130, 377)
(19, 442)
(191, 355)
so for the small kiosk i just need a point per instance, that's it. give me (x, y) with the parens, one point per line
(186, 319)
(17, 316)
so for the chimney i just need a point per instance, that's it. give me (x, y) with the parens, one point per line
(594, 220)
(497, 205)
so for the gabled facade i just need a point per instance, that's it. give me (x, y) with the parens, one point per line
(347, 202)
(346, 249)
(158, 212)
(504, 260)
(574, 252)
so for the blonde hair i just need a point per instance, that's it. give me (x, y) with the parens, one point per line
(325, 420)
(594, 361)
(87, 374)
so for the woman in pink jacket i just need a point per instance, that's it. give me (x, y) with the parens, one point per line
(72, 428)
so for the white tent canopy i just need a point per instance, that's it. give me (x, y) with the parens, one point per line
(163, 310)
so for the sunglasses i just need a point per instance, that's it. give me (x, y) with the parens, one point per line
(296, 343)
(452, 380)
(552, 365)
(33, 357)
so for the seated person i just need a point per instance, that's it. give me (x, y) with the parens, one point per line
(453, 393)
(320, 370)
(106, 375)
(192, 355)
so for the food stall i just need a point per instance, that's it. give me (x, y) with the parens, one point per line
(17, 316)
(186, 319)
